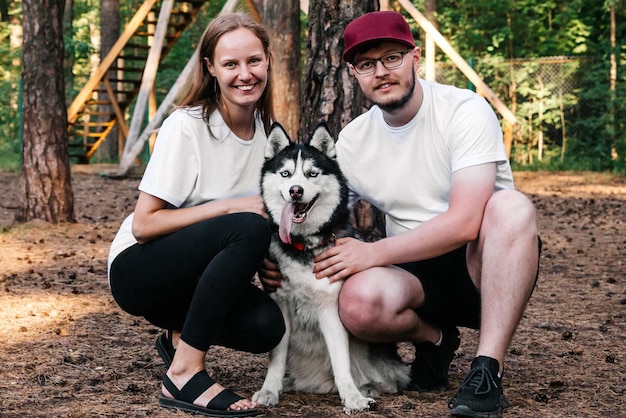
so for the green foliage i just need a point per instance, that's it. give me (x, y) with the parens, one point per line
(10, 75)
(511, 28)
(79, 45)
(489, 33)
(10, 156)
(600, 139)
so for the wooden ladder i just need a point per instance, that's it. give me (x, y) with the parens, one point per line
(104, 100)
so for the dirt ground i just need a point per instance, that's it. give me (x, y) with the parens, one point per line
(67, 350)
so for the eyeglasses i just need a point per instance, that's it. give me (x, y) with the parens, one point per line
(389, 61)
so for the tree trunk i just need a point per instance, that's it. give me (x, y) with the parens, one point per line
(109, 32)
(330, 93)
(68, 54)
(4, 10)
(612, 86)
(45, 178)
(282, 20)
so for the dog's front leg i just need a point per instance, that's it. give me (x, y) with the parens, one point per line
(337, 342)
(273, 383)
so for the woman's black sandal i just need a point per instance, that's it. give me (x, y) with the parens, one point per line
(196, 386)
(165, 347)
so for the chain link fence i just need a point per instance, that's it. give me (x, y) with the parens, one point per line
(540, 92)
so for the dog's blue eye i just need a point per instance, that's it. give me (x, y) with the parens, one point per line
(314, 173)
(284, 173)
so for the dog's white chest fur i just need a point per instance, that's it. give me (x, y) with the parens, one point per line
(301, 280)
(303, 296)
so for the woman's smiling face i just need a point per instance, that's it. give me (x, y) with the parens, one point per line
(240, 66)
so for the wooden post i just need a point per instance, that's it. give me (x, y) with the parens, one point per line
(94, 80)
(508, 137)
(149, 74)
(429, 44)
(131, 152)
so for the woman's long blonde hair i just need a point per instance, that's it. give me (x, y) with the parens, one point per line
(203, 88)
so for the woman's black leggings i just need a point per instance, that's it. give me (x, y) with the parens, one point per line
(198, 280)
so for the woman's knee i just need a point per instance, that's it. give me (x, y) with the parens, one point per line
(257, 326)
(271, 325)
(260, 333)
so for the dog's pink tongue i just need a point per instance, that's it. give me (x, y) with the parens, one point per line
(284, 229)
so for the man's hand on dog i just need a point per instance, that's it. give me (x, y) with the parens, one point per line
(347, 257)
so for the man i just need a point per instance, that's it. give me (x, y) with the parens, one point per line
(462, 244)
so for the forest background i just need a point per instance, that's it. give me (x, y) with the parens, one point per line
(558, 65)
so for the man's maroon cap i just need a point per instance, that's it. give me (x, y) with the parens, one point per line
(374, 27)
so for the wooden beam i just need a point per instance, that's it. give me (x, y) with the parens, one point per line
(253, 10)
(95, 145)
(481, 87)
(135, 149)
(149, 74)
(116, 108)
(152, 108)
(103, 68)
(429, 43)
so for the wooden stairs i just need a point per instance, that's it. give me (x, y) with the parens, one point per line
(105, 99)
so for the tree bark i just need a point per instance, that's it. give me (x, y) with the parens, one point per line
(330, 93)
(282, 20)
(45, 177)
(109, 32)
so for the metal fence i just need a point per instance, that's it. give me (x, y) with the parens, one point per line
(540, 92)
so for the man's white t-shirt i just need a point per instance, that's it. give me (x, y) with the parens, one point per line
(406, 171)
(189, 167)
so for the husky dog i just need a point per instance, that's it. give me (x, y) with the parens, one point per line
(306, 198)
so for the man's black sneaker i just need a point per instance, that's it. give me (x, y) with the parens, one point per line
(480, 394)
(429, 371)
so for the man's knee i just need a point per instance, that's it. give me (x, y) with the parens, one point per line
(510, 209)
(358, 306)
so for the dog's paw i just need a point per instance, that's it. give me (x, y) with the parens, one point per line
(266, 397)
(357, 403)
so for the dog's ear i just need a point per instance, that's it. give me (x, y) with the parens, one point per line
(277, 140)
(323, 141)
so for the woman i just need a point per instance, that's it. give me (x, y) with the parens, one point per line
(186, 257)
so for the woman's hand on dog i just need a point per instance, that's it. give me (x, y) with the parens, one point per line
(347, 257)
(270, 275)
(252, 204)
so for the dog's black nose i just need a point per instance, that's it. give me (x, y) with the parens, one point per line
(296, 192)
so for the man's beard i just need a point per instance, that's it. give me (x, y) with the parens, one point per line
(398, 104)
